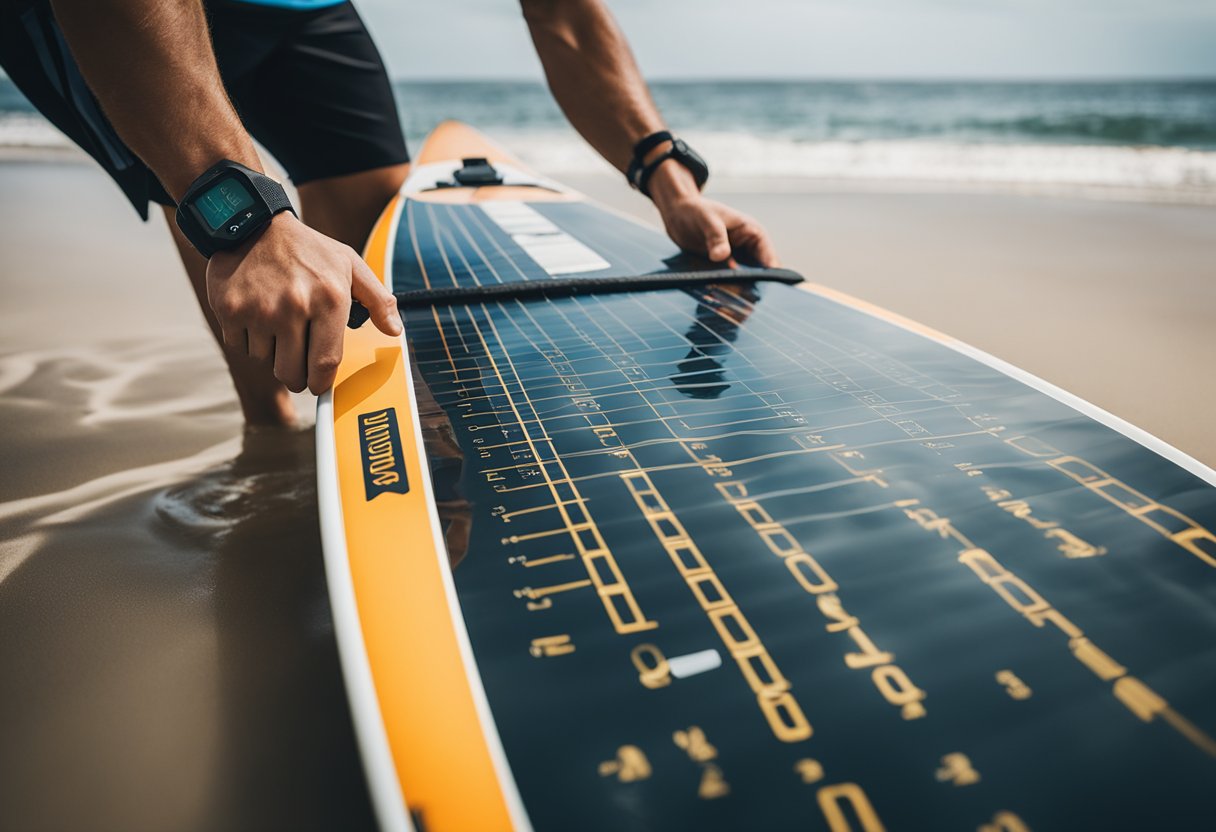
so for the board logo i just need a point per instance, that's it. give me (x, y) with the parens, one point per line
(380, 445)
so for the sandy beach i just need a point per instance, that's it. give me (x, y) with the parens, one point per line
(164, 628)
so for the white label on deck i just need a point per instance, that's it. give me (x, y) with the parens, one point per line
(693, 663)
(554, 250)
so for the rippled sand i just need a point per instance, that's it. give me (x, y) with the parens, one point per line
(165, 638)
(167, 647)
(167, 651)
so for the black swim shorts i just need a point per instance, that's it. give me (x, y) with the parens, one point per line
(309, 85)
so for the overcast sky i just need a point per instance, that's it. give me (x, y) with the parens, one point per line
(824, 38)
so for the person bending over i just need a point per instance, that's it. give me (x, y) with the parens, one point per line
(160, 91)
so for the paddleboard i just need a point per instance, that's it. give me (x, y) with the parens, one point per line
(739, 555)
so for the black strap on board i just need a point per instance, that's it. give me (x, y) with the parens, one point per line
(564, 287)
(477, 172)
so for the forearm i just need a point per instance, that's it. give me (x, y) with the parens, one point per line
(150, 64)
(593, 75)
(596, 82)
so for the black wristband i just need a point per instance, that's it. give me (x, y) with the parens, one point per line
(640, 173)
(642, 180)
(650, 143)
(643, 147)
(227, 205)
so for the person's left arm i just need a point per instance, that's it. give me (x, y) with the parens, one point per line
(596, 81)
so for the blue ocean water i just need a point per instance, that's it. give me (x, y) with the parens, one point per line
(1161, 113)
(1150, 136)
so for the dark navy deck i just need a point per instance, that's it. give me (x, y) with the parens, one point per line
(938, 597)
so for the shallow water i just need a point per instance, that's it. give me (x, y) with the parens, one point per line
(167, 646)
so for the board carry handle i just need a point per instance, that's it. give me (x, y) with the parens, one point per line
(564, 287)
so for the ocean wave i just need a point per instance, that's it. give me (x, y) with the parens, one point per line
(30, 130)
(1092, 127)
(1170, 173)
(1160, 173)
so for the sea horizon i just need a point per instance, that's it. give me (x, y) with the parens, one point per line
(1145, 138)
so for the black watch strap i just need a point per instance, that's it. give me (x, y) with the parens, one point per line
(269, 191)
(650, 143)
(640, 171)
(640, 150)
(274, 194)
(642, 183)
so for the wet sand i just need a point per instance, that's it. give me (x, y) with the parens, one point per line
(165, 637)
(167, 650)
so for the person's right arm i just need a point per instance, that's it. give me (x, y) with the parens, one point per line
(283, 296)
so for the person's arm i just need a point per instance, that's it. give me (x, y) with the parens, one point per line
(283, 296)
(596, 81)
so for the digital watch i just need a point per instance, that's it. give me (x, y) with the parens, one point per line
(640, 171)
(227, 205)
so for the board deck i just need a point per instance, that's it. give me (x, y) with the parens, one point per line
(741, 556)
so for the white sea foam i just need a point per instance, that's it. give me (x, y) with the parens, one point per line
(1173, 174)
(29, 130)
(1166, 173)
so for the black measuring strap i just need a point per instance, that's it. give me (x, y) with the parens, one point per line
(564, 287)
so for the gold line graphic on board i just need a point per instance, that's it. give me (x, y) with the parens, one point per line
(772, 689)
(1168, 522)
(1134, 694)
(534, 593)
(890, 679)
(615, 593)
(544, 561)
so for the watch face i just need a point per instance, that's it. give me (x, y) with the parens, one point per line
(225, 203)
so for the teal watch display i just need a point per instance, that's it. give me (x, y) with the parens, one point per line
(228, 204)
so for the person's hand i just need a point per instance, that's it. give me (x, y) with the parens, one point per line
(284, 297)
(703, 226)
